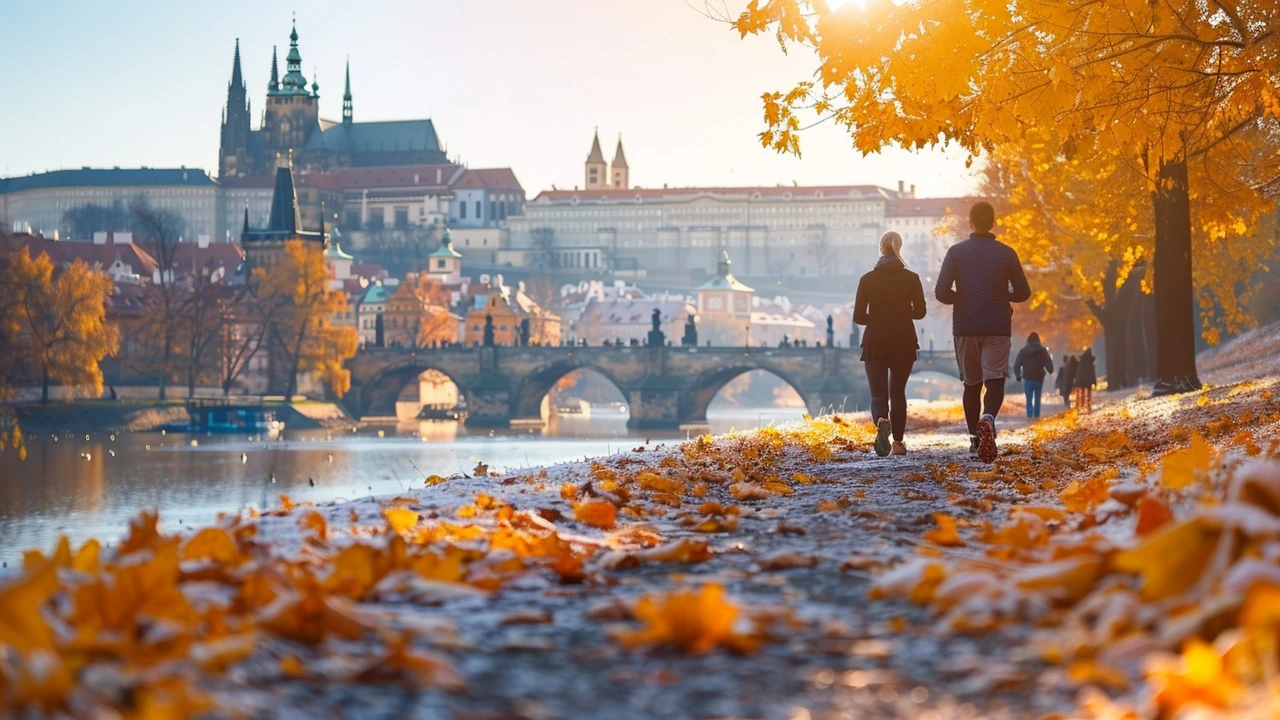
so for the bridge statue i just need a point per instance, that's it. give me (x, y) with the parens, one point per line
(831, 333)
(657, 338)
(690, 338)
(524, 332)
(488, 330)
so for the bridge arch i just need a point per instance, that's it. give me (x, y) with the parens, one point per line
(697, 396)
(527, 400)
(379, 393)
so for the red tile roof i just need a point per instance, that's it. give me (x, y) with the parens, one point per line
(189, 257)
(64, 252)
(489, 179)
(406, 176)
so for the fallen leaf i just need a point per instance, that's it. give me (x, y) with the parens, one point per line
(945, 534)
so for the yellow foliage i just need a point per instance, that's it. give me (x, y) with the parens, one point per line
(597, 513)
(1171, 560)
(400, 520)
(945, 534)
(1084, 497)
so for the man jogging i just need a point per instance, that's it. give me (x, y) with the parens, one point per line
(981, 277)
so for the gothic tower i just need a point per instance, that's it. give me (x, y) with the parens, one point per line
(293, 112)
(233, 155)
(621, 173)
(597, 171)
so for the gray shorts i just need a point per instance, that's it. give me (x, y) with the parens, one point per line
(982, 357)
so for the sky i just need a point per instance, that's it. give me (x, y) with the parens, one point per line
(508, 83)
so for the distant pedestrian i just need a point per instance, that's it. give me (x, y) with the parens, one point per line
(889, 300)
(1066, 374)
(1033, 363)
(1086, 377)
(981, 277)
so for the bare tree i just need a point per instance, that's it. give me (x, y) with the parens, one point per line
(161, 231)
(545, 254)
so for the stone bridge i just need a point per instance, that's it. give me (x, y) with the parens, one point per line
(665, 386)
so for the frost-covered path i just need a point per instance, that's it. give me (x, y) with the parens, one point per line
(541, 649)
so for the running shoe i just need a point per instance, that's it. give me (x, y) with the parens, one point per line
(882, 437)
(987, 450)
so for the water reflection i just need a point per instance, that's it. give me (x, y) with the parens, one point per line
(91, 488)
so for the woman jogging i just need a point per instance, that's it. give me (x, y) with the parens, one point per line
(889, 300)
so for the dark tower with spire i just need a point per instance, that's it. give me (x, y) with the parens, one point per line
(347, 110)
(293, 110)
(233, 155)
(264, 247)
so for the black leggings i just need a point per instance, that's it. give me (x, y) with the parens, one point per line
(888, 382)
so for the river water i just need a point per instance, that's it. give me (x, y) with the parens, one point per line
(90, 486)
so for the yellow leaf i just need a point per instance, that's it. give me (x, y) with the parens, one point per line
(1084, 497)
(1171, 560)
(212, 543)
(692, 621)
(22, 626)
(316, 523)
(400, 520)
(1184, 467)
(433, 480)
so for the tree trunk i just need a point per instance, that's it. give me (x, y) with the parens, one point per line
(44, 387)
(1120, 338)
(1174, 287)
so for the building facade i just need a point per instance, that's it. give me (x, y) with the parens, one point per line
(74, 204)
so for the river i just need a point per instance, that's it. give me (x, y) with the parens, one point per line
(90, 486)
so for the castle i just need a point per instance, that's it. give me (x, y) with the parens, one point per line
(291, 124)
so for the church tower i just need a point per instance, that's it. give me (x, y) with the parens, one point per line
(597, 171)
(293, 111)
(233, 155)
(621, 173)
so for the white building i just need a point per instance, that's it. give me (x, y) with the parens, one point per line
(74, 204)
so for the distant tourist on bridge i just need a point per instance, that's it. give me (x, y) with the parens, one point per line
(889, 300)
(1033, 363)
(981, 277)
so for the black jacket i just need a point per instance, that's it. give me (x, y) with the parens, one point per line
(1033, 363)
(889, 300)
(1087, 371)
(1067, 378)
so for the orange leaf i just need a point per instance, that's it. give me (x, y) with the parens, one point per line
(693, 621)
(1152, 514)
(945, 534)
(1184, 467)
(597, 513)
(316, 523)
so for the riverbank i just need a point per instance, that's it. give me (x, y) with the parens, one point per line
(91, 416)
(779, 573)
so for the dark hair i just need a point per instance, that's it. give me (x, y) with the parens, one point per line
(1033, 338)
(982, 216)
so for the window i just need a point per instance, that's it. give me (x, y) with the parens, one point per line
(353, 218)
(377, 218)
(462, 210)
(440, 264)
(479, 215)
(402, 218)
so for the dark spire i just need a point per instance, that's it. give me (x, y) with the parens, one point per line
(347, 109)
(246, 216)
(237, 78)
(315, 83)
(284, 202)
(273, 85)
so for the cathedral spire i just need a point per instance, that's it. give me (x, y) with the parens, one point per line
(347, 110)
(293, 82)
(273, 85)
(237, 78)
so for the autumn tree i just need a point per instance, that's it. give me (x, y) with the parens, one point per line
(1162, 83)
(297, 307)
(58, 325)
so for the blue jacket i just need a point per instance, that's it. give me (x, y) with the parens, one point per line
(981, 276)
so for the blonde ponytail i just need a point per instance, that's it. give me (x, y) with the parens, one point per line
(891, 246)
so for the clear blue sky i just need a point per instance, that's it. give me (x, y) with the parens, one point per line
(518, 83)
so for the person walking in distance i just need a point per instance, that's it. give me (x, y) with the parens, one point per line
(982, 277)
(1085, 378)
(889, 300)
(1033, 363)
(1066, 374)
